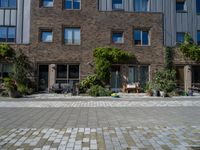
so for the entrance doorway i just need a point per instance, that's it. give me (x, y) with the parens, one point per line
(180, 76)
(196, 76)
(43, 77)
(116, 78)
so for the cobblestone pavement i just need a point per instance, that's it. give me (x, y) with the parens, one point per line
(176, 138)
(109, 125)
(142, 103)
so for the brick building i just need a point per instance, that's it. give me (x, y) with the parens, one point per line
(58, 36)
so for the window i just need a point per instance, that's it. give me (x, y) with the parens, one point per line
(67, 73)
(198, 6)
(141, 37)
(180, 37)
(198, 37)
(72, 36)
(47, 36)
(138, 74)
(5, 70)
(47, 3)
(117, 5)
(7, 34)
(8, 3)
(72, 4)
(180, 6)
(61, 71)
(117, 37)
(141, 5)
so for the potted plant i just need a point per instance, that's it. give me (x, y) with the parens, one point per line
(148, 89)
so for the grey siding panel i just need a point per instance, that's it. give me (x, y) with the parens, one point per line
(19, 21)
(131, 6)
(1, 17)
(13, 17)
(103, 5)
(109, 5)
(126, 5)
(26, 22)
(7, 17)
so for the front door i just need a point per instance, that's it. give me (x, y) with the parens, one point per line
(116, 78)
(43, 77)
(180, 76)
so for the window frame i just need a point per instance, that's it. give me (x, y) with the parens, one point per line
(141, 37)
(75, 44)
(67, 75)
(117, 31)
(45, 30)
(72, 5)
(8, 5)
(148, 7)
(118, 9)
(177, 36)
(7, 33)
(42, 4)
(184, 10)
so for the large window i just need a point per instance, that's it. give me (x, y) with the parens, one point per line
(138, 74)
(181, 6)
(198, 6)
(141, 37)
(7, 34)
(180, 37)
(141, 5)
(117, 4)
(47, 3)
(72, 36)
(46, 36)
(67, 73)
(117, 37)
(8, 3)
(72, 4)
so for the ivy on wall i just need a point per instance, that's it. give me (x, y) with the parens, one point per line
(190, 49)
(105, 57)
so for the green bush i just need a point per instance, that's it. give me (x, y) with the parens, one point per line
(5, 51)
(97, 90)
(165, 80)
(88, 82)
(22, 89)
(9, 83)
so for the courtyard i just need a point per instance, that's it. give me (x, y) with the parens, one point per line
(111, 124)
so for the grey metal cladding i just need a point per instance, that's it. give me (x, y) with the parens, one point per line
(174, 22)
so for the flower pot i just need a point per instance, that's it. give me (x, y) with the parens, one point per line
(162, 94)
(14, 94)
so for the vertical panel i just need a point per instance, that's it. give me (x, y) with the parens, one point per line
(7, 17)
(1, 17)
(131, 5)
(103, 5)
(109, 5)
(13, 17)
(19, 21)
(126, 5)
(26, 22)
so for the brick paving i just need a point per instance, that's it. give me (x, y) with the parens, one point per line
(150, 126)
(179, 138)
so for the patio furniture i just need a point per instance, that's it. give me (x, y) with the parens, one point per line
(135, 87)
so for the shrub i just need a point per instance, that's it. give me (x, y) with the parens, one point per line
(97, 90)
(5, 51)
(164, 80)
(9, 84)
(22, 89)
(88, 82)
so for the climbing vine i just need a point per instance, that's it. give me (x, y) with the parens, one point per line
(5, 51)
(105, 57)
(168, 58)
(190, 49)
